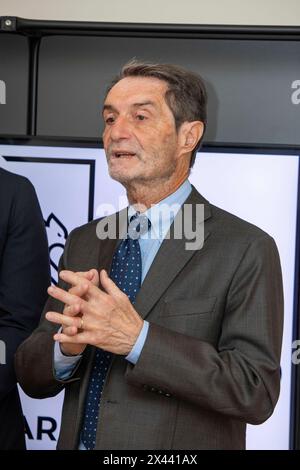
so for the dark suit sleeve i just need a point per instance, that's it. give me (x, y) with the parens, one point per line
(24, 275)
(241, 377)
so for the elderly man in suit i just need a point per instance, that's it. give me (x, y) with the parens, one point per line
(159, 344)
(24, 278)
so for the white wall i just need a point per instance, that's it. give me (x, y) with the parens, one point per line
(251, 12)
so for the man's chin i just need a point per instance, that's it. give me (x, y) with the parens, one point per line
(122, 176)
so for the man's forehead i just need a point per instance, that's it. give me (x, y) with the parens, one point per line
(137, 89)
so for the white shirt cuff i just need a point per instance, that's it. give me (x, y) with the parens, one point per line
(134, 354)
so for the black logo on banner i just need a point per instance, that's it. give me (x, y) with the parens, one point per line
(57, 235)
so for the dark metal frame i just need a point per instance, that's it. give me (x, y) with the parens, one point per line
(34, 30)
(40, 28)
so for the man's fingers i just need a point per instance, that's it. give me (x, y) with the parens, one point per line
(110, 287)
(70, 330)
(95, 277)
(80, 285)
(64, 320)
(73, 278)
(86, 274)
(62, 295)
(80, 338)
(72, 310)
(80, 290)
(92, 275)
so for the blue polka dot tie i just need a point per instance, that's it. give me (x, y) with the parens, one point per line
(126, 270)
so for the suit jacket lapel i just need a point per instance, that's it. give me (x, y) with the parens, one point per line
(170, 260)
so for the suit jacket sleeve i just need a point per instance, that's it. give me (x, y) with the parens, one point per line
(241, 377)
(24, 273)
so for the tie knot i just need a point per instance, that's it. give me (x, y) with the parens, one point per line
(138, 225)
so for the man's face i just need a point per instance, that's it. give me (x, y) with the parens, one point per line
(140, 138)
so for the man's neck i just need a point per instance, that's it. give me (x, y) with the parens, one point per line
(143, 196)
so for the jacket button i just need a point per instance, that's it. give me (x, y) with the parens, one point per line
(153, 389)
(168, 395)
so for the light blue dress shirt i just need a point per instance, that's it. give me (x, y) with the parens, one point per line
(161, 216)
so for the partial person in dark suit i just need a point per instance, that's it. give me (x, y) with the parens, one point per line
(24, 278)
(178, 347)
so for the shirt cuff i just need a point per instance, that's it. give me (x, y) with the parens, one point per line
(64, 365)
(134, 354)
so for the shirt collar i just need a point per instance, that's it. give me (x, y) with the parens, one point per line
(162, 214)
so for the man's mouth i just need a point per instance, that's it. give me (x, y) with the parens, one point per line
(123, 154)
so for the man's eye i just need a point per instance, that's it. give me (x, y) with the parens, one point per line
(140, 117)
(109, 120)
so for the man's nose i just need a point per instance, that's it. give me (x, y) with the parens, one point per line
(121, 129)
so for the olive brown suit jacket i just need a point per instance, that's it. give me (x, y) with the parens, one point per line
(211, 360)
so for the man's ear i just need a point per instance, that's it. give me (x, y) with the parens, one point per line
(190, 134)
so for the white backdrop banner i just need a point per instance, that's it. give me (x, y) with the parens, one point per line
(73, 186)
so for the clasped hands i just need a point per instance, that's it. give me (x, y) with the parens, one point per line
(102, 318)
